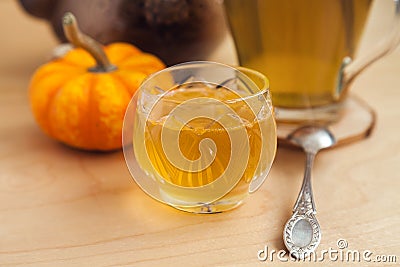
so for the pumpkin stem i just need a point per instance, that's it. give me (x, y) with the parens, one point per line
(79, 39)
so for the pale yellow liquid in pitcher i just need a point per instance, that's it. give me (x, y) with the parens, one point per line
(151, 157)
(298, 44)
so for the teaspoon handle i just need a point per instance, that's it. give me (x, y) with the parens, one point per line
(302, 232)
(305, 200)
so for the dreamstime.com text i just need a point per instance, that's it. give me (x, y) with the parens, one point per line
(339, 254)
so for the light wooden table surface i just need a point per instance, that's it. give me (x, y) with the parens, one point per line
(62, 207)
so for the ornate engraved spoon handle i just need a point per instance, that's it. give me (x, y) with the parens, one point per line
(305, 200)
(302, 232)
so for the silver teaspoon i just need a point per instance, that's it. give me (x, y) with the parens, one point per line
(302, 232)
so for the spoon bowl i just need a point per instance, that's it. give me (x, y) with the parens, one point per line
(312, 137)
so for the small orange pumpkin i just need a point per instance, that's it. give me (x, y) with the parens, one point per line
(80, 99)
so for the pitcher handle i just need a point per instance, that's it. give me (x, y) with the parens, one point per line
(350, 69)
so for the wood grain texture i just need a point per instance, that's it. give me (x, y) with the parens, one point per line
(63, 207)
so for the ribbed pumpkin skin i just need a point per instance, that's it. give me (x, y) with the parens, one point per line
(85, 109)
